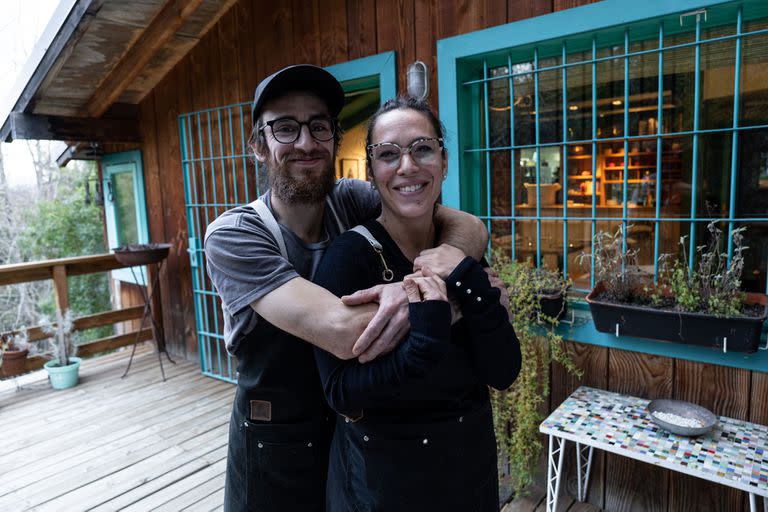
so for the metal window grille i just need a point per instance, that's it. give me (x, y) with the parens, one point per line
(218, 175)
(588, 56)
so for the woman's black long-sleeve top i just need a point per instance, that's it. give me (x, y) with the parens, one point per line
(438, 368)
(423, 437)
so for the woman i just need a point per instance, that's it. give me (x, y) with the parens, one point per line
(416, 430)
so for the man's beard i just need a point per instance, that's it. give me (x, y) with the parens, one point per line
(304, 188)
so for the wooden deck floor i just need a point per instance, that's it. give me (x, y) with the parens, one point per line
(131, 444)
(115, 444)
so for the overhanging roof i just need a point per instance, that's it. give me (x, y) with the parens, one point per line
(96, 54)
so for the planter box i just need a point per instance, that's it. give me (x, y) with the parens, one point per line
(734, 334)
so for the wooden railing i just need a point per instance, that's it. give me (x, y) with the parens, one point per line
(59, 270)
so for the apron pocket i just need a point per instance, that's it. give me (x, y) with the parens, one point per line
(414, 473)
(286, 466)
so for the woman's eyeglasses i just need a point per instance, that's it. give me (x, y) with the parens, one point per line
(424, 151)
(287, 130)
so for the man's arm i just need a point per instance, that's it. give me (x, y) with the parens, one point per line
(461, 230)
(314, 314)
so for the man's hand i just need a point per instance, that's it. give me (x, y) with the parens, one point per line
(441, 260)
(424, 285)
(496, 282)
(388, 326)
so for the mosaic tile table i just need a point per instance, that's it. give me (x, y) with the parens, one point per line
(733, 453)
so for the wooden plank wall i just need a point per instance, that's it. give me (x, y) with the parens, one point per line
(254, 39)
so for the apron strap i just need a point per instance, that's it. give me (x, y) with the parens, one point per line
(387, 275)
(271, 223)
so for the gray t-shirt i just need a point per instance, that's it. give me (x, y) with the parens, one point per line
(244, 262)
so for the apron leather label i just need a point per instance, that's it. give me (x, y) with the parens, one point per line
(261, 410)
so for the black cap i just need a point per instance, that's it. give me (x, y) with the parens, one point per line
(301, 77)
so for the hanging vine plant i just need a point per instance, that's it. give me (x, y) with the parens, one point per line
(517, 412)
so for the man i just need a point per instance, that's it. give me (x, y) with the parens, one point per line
(273, 314)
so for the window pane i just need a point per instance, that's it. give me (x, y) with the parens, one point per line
(579, 96)
(676, 165)
(125, 208)
(752, 189)
(580, 186)
(714, 178)
(754, 81)
(501, 186)
(644, 93)
(550, 102)
(499, 108)
(754, 277)
(610, 98)
(579, 240)
(524, 104)
(525, 182)
(679, 84)
(717, 73)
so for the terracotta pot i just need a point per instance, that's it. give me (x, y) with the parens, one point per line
(14, 362)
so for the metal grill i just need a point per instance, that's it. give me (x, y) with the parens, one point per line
(682, 41)
(218, 175)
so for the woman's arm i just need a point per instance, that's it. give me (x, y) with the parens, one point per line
(493, 345)
(351, 386)
(348, 265)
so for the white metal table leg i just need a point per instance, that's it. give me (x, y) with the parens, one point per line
(584, 465)
(752, 503)
(554, 470)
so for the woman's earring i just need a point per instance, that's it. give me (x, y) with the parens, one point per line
(445, 175)
(373, 186)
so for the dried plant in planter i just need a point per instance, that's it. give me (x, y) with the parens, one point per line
(617, 268)
(62, 343)
(697, 304)
(518, 410)
(712, 287)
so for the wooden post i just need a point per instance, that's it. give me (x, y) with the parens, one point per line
(60, 285)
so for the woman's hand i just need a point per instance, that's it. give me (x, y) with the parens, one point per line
(424, 285)
(442, 259)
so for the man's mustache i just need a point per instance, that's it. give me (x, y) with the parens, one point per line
(299, 155)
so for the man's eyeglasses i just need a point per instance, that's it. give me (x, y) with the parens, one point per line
(424, 151)
(287, 130)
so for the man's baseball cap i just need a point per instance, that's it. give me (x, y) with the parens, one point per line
(301, 77)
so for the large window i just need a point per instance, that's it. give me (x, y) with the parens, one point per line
(652, 117)
(659, 125)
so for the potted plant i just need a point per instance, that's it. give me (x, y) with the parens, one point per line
(64, 367)
(13, 353)
(700, 305)
(518, 411)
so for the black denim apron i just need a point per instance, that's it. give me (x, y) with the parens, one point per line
(278, 465)
(446, 465)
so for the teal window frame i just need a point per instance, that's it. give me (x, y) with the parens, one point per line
(360, 73)
(459, 60)
(118, 163)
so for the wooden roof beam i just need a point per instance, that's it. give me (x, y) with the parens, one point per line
(163, 26)
(37, 127)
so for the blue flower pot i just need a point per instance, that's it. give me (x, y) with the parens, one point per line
(63, 377)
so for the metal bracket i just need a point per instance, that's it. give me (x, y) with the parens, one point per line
(696, 13)
(572, 320)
